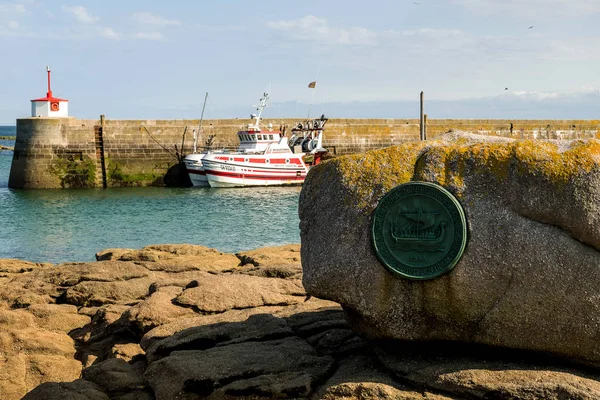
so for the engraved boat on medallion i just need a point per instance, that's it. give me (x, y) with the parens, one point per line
(418, 230)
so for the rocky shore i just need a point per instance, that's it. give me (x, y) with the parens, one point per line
(188, 322)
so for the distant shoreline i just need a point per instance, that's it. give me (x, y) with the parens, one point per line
(8, 138)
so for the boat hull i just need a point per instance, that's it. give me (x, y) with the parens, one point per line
(195, 170)
(227, 172)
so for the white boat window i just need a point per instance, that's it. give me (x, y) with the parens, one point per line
(259, 137)
(270, 137)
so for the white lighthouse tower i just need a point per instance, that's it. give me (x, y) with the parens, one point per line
(49, 106)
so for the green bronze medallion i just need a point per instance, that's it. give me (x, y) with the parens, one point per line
(419, 230)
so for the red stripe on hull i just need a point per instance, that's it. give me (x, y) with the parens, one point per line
(245, 176)
(293, 160)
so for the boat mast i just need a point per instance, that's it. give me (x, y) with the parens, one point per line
(200, 124)
(260, 108)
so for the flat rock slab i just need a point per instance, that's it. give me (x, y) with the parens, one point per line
(286, 368)
(31, 354)
(531, 261)
(361, 377)
(483, 372)
(273, 262)
(219, 293)
(259, 327)
(76, 390)
(175, 258)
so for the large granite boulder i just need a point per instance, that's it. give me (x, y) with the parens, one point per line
(530, 274)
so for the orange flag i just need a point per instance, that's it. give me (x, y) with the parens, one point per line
(312, 84)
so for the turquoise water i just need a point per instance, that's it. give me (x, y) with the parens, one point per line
(73, 224)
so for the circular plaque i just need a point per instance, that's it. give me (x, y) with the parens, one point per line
(419, 230)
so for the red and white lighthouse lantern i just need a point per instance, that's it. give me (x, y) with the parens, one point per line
(49, 106)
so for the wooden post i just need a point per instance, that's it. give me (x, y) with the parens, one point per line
(422, 122)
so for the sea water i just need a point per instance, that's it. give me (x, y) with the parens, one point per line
(57, 225)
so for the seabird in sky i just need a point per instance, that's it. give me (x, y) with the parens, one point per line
(531, 27)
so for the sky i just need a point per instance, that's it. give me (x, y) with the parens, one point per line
(133, 59)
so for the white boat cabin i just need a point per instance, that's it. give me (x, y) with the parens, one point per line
(254, 140)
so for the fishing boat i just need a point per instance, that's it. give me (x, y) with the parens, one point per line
(267, 157)
(193, 162)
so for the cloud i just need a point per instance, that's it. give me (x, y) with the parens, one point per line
(109, 33)
(81, 13)
(149, 36)
(12, 9)
(528, 9)
(150, 19)
(13, 25)
(312, 28)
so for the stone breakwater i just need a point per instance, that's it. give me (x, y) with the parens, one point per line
(68, 152)
(188, 322)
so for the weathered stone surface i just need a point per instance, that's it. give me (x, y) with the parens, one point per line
(164, 331)
(361, 377)
(71, 274)
(12, 373)
(116, 375)
(256, 328)
(13, 266)
(99, 293)
(29, 354)
(24, 289)
(309, 312)
(156, 310)
(273, 262)
(58, 317)
(85, 283)
(280, 368)
(102, 318)
(482, 372)
(530, 265)
(175, 258)
(127, 351)
(77, 390)
(218, 293)
(297, 349)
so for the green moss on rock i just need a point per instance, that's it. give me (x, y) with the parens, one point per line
(75, 171)
(117, 176)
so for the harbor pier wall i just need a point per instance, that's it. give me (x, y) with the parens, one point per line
(69, 152)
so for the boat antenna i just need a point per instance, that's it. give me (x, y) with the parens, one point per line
(313, 86)
(200, 124)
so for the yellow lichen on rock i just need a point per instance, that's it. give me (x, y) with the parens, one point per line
(452, 162)
(370, 175)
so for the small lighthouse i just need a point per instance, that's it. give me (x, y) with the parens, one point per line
(49, 106)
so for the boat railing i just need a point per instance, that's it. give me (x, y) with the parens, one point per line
(209, 149)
